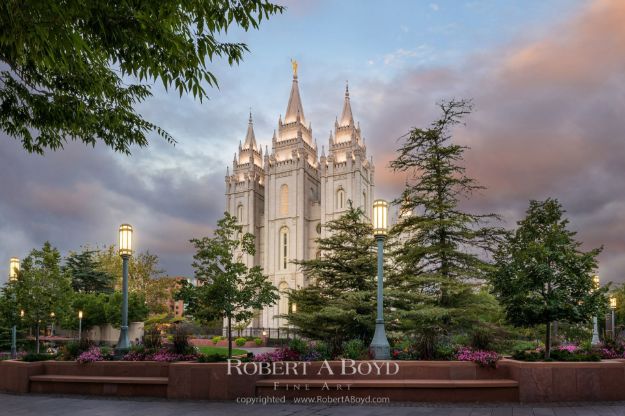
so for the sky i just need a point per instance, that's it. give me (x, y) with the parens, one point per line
(547, 79)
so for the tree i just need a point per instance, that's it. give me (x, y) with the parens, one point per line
(42, 287)
(144, 275)
(86, 274)
(340, 303)
(76, 71)
(105, 308)
(541, 274)
(227, 288)
(440, 252)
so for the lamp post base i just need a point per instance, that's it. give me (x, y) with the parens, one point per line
(380, 348)
(123, 345)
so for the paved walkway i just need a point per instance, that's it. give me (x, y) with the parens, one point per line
(44, 405)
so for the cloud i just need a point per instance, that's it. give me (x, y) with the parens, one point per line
(548, 121)
(434, 7)
(422, 53)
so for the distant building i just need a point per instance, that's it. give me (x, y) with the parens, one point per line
(176, 307)
(284, 197)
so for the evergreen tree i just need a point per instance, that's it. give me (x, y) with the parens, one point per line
(227, 288)
(86, 275)
(542, 275)
(340, 303)
(440, 252)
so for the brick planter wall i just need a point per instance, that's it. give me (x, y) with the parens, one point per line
(416, 380)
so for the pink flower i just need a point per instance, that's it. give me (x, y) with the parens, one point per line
(482, 358)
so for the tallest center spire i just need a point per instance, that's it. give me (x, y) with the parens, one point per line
(294, 109)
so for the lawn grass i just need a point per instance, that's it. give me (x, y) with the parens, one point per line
(220, 350)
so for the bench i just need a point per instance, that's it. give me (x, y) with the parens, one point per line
(54, 378)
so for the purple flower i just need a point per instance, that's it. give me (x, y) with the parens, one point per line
(482, 358)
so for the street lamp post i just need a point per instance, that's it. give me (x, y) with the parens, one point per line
(380, 348)
(79, 325)
(612, 309)
(595, 328)
(125, 251)
(52, 316)
(14, 267)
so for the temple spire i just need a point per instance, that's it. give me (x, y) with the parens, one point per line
(250, 137)
(294, 108)
(347, 119)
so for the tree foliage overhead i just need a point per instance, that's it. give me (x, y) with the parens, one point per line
(541, 274)
(75, 70)
(227, 288)
(439, 250)
(340, 303)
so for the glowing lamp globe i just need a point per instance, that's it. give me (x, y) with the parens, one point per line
(380, 217)
(294, 308)
(14, 267)
(125, 240)
(79, 314)
(595, 281)
(612, 303)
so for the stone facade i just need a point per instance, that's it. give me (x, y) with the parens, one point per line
(286, 195)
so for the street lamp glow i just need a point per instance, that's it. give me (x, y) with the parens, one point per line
(14, 267)
(380, 217)
(79, 314)
(612, 302)
(595, 282)
(125, 240)
(294, 308)
(22, 313)
(52, 314)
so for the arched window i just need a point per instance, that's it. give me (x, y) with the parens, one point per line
(240, 213)
(283, 245)
(340, 198)
(284, 200)
(283, 306)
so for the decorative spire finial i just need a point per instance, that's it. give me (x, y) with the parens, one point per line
(347, 88)
(294, 66)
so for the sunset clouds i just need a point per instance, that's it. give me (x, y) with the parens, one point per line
(549, 121)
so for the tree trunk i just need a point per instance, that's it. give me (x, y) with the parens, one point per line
(229, 337)
(548, 341)
(37, 339)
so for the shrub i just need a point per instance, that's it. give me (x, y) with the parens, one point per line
(211, 358)
(180, 341)
(323, 349)
(298, 345)
(558, 354)
(72, 350)
(482, 358)
(258, 342)
(152, 339)
(216, 339)
(33, 357)
(481, 339)
(354, 349)
(240, 341)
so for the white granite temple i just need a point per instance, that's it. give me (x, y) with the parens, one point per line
(286, 195)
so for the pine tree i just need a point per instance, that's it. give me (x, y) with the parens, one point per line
(340, 303)
(86, 275)
(542, 275)
(440, 252)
